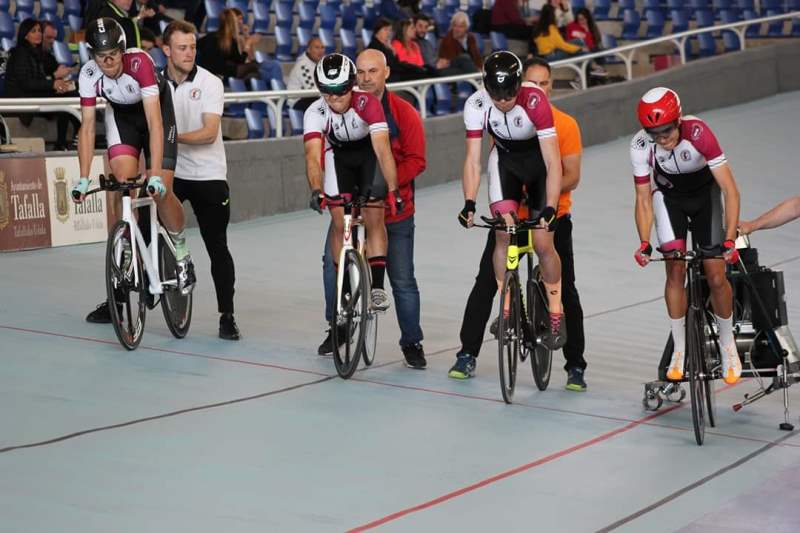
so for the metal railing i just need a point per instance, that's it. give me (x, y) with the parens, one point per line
(276, 100)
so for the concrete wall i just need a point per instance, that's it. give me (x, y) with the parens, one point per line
(269, 177)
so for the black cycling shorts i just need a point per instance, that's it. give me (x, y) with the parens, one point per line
(700, 212)
(352, 170)
(508, 173)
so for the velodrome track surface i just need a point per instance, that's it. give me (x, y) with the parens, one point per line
(206, 435)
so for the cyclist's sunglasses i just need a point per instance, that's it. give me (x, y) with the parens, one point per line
(338, 90)
(102, 57)
(661, 132)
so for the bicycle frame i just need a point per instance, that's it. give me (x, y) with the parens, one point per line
(150, 258)
(351, 224)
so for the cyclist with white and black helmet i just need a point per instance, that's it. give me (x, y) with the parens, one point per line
(346, 139)
(524, 160)
(138, 117)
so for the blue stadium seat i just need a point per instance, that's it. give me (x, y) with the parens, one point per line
(303, 37)
(349, 45)
(754, 30)
(368, 17)
(83, 52)
(349, 17)
(775, 28)
(700, 5)
(158, 57)
(776, 6)
(63, 54)
(795, 26)
(630, 24)
(499, 41)
(746, 4)
(624, 5)
(261, 17)
(255, 124)
(283, 44)
(366, 35)
(296, 121)
(480, 42)
(235, 85)
(677, 5)
(442, 92)
(48, 6)
(259, 85)
(328, 39)
(327, 17)
(442, 20)
(308, 15)
(652, 5)
(600, 9)
(680, 21)
(335, 4)
(7, 44)
(72, 7)
(283, 15)
(475, 5)
(7, 27)
(5, 5)
(792, 5)
(241, 5)
(451, 6)
(729, 16)
(213, 10)
(730, 41)
(427, 7)
(721, 5)
(704, 18)
(708, 45)
(75, 23)
(24, 10)
(578, 4)
(655, 24)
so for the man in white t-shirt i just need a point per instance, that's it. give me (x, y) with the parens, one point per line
(302, 73)
(201, 169)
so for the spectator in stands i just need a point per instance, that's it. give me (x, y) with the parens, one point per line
(157, 12)
(219, 51)
(31, 74)
(382, 41)
(247, 39)
(302, 74)
(507, 19)
(405, 45)
(585, 29)
(422, 24)
(148, 38)
(459, 47)
(118, 10)
(548, 40)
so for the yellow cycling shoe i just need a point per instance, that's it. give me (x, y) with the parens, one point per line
(731, 364)
(675, 371)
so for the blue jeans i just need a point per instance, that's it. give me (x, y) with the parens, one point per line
(400, 268)
(557, 54)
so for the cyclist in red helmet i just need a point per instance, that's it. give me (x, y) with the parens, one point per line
(681, 177)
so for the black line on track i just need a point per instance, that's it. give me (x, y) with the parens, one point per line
(700, 482)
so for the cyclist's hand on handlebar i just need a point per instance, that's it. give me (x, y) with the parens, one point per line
(155, 186)
(78, 192)
(395, 203)
(729, 252)
(548, 218)
(466, 215)
(316, 201)
(643, 253)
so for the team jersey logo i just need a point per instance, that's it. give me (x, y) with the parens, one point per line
(639, 143)
(362, 103)
(518, 121)
(478, 103)
(136, 63)
(90, 72)
(686, 155)
(697, 130)
(533, 101)
(195, 94)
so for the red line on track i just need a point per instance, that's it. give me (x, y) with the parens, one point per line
(166, 350)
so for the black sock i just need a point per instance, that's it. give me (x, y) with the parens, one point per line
(377, 266)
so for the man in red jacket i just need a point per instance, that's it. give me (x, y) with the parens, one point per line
(408, 147)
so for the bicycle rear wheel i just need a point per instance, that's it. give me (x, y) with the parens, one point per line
(509, 335)
(352, 313)
(694, 360)
(177, 307)
(127, 297)
(539, 323)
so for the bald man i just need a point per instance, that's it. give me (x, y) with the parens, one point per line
(408, 147)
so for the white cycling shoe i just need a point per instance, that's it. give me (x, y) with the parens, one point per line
(731, 364)
(675, 370)
(379, 300)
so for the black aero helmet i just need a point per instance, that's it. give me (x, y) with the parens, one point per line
(502, 75)
(335, 74)
(105, 34)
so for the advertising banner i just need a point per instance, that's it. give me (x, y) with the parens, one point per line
(24, 206)
(73, 223)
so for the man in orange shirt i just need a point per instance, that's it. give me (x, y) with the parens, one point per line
(479, 303)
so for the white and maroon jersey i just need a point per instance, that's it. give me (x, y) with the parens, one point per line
(683, 169)
(364, 117)
(137, 81)
(530, 118)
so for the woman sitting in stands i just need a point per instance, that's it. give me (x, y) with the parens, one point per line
(220, 52)
(399, 70)
(31, 73)
(585, 29)
(548, 40)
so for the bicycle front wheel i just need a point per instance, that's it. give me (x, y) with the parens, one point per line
(539, 324)
(695, 368)
(127, 299)
(177, 307)
(509, 335)
(350, 315)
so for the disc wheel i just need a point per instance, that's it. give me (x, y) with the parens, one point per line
(352, 313)
(127, 298)
(697, 389)
(542, 359)
(509, 335)
(177, 307)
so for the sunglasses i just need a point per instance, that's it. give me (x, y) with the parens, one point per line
(104, 57)
(661, 133)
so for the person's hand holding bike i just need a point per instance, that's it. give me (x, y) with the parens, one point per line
(78, 192)
(643, 253)
(729, 252)
(156, 187)
(317, 201)
(466, 216)
(547, 218)
(395, 203)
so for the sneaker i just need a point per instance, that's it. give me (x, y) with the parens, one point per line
(556, 338)
(415, 356)
(228, 329)
(575, 85)
(599, 71)
(575, 380)
(379, 299)
(101, 314)
(464, 367)
(675, 370)
(326, 348)
(731, 364)
(494, 326)
(186, 277)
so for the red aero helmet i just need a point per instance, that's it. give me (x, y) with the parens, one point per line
(658, 107)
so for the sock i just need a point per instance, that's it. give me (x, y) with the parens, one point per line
(179, 240)
(377, 266)
(679, 334)
(725, 330)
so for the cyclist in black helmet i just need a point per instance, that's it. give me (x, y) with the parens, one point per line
(138, 117)
(353, 127)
